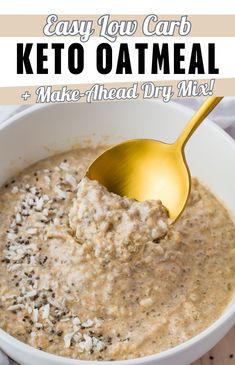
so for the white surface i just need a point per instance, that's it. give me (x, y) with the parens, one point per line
(25, 138)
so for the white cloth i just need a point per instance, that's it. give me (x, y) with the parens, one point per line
(4, 360)
(224, 115)
(6, 111)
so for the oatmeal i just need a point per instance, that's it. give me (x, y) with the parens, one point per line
(115, 227)
(102, 288)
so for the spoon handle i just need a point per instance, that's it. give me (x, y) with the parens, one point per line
(208, 105)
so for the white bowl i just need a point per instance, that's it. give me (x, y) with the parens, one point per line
(40, 131)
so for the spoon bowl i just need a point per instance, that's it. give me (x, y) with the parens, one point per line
(146, 169)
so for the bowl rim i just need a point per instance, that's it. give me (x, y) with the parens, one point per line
(200, 337)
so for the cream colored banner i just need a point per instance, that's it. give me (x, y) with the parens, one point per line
(106, 92)
(32, 25)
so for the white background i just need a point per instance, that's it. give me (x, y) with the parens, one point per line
(225, 50)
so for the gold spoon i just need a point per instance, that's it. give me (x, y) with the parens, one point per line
(148, 169)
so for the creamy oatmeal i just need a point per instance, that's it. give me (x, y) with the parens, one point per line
(115, 227)
(88, 275)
